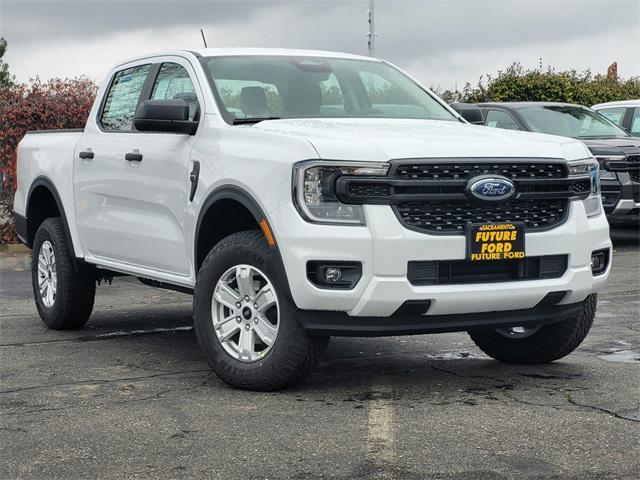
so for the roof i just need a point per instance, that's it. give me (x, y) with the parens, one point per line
(619, 103)
(215, 52)
(516, 105)
(229, 52)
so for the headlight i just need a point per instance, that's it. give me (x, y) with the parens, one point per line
(314, 190)
(591, 168)
(603, 160)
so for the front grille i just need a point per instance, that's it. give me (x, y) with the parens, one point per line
(456, 272)
(432, 195)
(610, 194)
(466, 170)
(453, 217)
(634, 160)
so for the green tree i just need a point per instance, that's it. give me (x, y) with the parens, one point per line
(5, 77)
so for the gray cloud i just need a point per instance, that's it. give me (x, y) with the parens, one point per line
(441, 41)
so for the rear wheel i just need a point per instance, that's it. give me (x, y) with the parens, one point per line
(64, 298)
(545, 344)
(245, 319)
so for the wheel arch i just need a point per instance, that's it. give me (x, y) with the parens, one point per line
(39, 208)
(232, 209)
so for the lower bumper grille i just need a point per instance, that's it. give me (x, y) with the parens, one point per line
(452, 217)
(454, 272)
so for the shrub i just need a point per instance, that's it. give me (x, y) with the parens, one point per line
(518, 83)
(39, 105)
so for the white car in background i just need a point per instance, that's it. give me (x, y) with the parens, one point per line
(624, 113)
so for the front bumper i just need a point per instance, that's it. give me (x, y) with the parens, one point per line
(621, 197)
(384, 247)
(341, 324)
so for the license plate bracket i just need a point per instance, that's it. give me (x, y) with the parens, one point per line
(495, 241)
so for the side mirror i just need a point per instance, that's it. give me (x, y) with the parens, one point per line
(471, 113)
(164, 116)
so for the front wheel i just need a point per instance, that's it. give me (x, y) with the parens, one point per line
(245, 320)
(541, 344)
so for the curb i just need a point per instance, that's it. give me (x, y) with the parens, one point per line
(14, 248)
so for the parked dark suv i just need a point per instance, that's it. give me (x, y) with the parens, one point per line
(616, 150)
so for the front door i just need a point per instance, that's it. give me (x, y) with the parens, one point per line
(131, 196)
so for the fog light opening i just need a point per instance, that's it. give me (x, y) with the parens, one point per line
(599, 261)
(338, 275)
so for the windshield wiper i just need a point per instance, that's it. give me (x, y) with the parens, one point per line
(243, 121)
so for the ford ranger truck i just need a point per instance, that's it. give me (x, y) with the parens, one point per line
(299, 195)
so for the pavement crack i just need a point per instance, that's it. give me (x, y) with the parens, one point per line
(101, 381)
(597, 409)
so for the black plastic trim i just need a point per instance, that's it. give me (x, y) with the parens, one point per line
(21, 228)
(45, 182)
(55, 130)
(341, 324)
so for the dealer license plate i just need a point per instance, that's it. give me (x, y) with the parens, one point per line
(495, 241)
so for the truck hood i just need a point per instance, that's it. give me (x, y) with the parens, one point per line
(378, 139)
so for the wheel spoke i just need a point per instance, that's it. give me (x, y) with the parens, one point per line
(226, 295)
(227, 330)
(265, 330)
(244, 278)
(42, 279)
(246, 344)
(50, 294)
(265, 298)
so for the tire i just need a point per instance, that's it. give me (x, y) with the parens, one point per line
(292, 354)
(545, 345)
(69, 303)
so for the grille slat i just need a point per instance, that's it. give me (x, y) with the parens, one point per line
(464, 171)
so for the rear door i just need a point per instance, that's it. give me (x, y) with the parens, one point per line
(131, 196)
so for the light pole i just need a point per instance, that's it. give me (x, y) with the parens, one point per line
(371, 35)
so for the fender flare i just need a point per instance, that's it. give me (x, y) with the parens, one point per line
(232, 192)
(43, 181)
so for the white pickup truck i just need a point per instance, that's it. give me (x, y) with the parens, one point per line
(303, 194)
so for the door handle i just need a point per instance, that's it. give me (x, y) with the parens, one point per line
(133, 157)
(193, 178)
(86, 155)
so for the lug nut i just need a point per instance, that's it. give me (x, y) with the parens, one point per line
(255, 320)
(238, 304)
(246, 298)
(255, 305)
(238, 319)
(247, 327)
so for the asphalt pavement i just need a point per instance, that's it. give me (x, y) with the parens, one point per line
(131, 396)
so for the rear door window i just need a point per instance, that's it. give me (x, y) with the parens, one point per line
(122, 100)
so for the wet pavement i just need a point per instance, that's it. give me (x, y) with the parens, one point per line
(130, 396)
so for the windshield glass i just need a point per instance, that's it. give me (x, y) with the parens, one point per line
(315, 87)
(569, 121)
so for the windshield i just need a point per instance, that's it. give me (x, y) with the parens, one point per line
(569, 121)
(312, 87)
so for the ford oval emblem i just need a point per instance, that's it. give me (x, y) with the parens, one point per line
(491, 189)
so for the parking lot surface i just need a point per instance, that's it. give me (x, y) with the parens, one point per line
(130, 396)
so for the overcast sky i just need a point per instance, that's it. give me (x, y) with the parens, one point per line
(442, 42)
